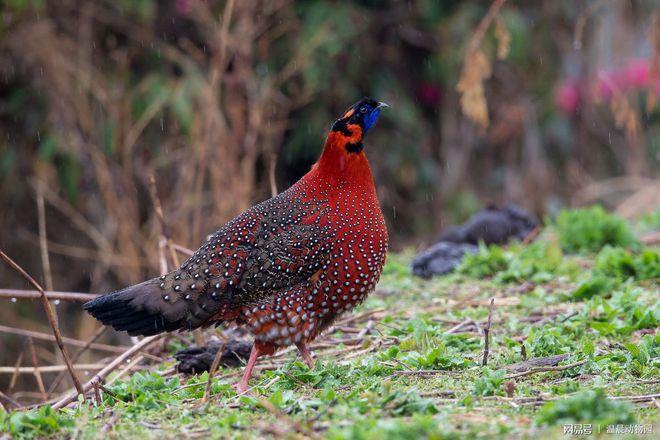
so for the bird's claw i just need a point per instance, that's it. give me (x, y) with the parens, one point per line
(240, 387)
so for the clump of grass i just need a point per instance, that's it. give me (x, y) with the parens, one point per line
(624, 313)
(615, 262)
(41, 423)
(597, 285)
(591, 406)
(489, 383)
(650, 221)
(487, 262)
(614, 265)
(537, 262)
(547, 341)
(589, 229)
(648, 264)
(621, 264)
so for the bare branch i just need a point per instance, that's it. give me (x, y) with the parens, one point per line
(49, 313)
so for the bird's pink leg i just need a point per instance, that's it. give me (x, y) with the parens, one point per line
(242, 386)
(307, 357)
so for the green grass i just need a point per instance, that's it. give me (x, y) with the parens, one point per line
(590, 229)
(599, 309)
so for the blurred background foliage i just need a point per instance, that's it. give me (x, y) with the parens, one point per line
(544, 103)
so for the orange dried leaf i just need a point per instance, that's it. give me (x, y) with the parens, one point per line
(476, 69)
(503, 38)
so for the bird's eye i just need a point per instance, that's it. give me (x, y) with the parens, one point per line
(363, 110)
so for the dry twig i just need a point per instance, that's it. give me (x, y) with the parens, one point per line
(68, 341)
(50, 314)
(165, 234)
(15, 374)
(545, 369)
(37, 374)
(50, 369)
(50, 295)
(484, 361)
(214, 367)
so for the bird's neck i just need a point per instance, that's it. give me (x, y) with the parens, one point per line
(341, 164)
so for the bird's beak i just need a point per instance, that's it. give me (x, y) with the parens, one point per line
(383, 105)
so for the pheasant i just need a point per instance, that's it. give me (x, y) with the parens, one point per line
(285, 268)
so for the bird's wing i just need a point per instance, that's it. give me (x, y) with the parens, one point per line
(272, 246)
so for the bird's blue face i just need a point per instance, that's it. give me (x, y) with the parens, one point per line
(357, 121)
(364, 113)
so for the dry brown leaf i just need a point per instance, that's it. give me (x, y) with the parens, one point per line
(503, 38)
(654, 40)
(476, 69)
(651, 101)
(625, 115)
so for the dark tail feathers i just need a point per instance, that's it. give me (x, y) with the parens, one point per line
(139, 310)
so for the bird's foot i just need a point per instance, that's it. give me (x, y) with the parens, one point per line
(306, 355)
(240, 387)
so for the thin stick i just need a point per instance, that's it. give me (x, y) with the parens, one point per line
(636, 398)
(182, 249)
(544, 369)
(484, 361)
(422, 372)
(271, 174)
(113, 420)
(37, 374)
(165, 234)
(483, 26)
(14, 376)
(97, 394)
(50, 368)
(7, 402)
(101, 375)
(214, 367)
(68, 341)
(43, 240)
(50, 295)
(164, 230)
(51, 317)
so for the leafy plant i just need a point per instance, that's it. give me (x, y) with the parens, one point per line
(616, 262)
(621, 264)
(623, 313)
(536, 262)
(40, 423)
(650, 221)
(547, 341)
(589, 229)
(590, 406)
(487, 262)
(647, 264)
(596, 285)
(489, 383)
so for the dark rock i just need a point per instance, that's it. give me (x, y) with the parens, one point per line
(196, 360)
(492, 225)
(441, 258)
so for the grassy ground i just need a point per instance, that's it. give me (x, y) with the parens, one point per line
(408, 363)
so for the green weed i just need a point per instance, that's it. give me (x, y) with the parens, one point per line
(589, 229)
(44, 422)
(487, 262)
(489, 383)
(590, 406)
